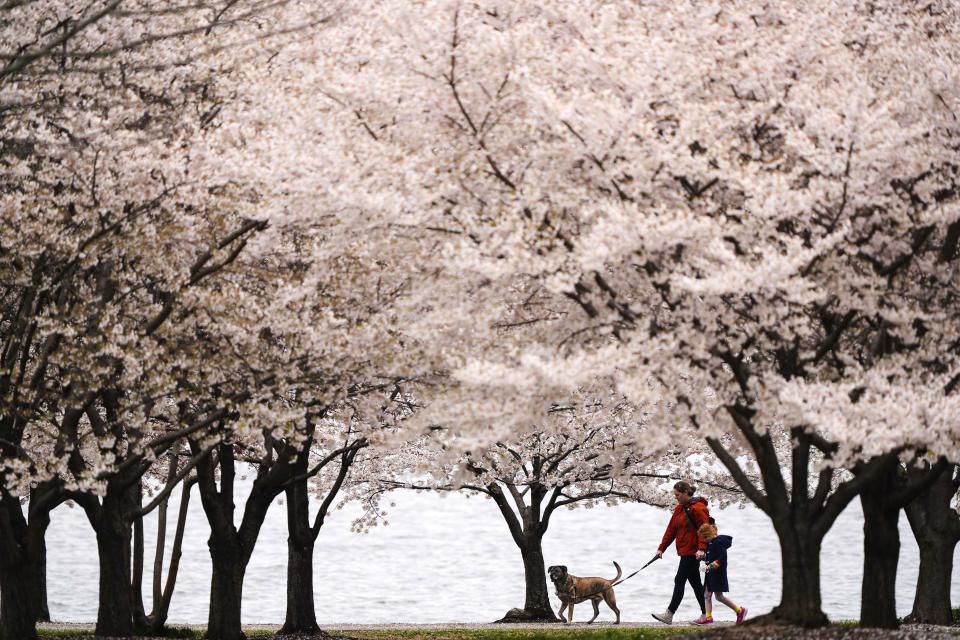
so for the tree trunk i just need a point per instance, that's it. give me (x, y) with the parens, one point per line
(937, 529)
(527, 532)
(19, 574)
(881, 554)
(17, 604)
(23, 560)
(37, 535)
(301, 616)
(800, 602)
(161, 599)
(136, 581)
(537, 600)
(226, 588)
(230, 546)
(301, 540)
(115, 611)
(931, 604)
(112, 522)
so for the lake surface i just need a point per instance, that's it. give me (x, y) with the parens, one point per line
(451, 559)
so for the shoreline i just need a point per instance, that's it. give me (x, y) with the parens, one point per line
(346, 627)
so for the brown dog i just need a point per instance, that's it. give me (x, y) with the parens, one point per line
(571, 590)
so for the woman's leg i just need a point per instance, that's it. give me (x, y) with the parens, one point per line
(687, 565)
(693, 575)
(678, 582)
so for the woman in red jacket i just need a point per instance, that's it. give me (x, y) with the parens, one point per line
(688, 516)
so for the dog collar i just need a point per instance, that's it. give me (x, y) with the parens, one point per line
(566, 584)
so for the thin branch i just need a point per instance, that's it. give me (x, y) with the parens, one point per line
(21, 62)
(749, 488)
(173, 482)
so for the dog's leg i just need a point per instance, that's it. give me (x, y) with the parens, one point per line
(595, 601)
(563, 605)
(570, 611)
(611, 601)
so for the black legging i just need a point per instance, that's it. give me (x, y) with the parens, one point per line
(689, 570)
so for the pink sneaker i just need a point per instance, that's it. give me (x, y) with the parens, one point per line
(741, 615)
(704, 620)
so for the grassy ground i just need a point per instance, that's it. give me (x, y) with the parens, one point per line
(837, 631)
(445, 634)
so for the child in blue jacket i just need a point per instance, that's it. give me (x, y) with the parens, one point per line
(716, 573)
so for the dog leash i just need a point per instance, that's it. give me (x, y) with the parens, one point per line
(649, 562)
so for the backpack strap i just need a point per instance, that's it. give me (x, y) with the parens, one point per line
(686, 510)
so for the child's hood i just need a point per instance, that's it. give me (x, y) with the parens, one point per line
(721, 542)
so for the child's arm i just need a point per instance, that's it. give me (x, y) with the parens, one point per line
(717, 562)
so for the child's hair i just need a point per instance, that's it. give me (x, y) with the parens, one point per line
(685, 487)
(707, 531)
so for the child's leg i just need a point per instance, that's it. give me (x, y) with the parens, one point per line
(708, 602)
(727, 601)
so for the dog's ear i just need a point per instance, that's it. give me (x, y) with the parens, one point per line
(563, 568)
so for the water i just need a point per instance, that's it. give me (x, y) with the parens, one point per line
(451, 559)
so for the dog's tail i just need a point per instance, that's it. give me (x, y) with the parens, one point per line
(619, 573)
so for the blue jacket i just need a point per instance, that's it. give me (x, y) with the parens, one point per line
(716, 558)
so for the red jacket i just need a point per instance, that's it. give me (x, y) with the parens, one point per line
(688, 542)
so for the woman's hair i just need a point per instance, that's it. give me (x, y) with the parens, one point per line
(685, 487)
(707, 531)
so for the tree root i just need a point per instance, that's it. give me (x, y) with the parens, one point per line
(522, 615)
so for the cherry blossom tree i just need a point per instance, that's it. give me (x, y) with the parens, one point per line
(746, 216)
(186, 340)
(336, 458)
(756, 207)
(305, 320)
(592, 450)
(106, 225)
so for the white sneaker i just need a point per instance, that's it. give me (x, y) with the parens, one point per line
(666, 617)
